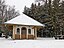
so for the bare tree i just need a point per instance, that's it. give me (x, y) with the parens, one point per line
(6, 13)
(11, 13)
(40, 0)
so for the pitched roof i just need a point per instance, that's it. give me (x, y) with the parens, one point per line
(24, 20)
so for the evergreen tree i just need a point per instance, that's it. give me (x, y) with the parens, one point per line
(51, 14)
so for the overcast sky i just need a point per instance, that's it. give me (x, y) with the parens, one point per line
(19, 4)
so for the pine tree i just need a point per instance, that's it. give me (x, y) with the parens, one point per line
(51, 14)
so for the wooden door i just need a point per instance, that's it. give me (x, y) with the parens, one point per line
(23, 32)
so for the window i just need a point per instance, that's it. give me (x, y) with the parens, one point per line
(29, 31)
(18, 30)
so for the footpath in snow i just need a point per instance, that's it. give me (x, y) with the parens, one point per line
(40, 43)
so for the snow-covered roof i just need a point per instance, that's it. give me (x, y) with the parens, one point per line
(24, 20)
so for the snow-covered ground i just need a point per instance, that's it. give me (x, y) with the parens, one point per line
(39, 43)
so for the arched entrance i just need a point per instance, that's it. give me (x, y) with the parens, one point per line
(23, 32)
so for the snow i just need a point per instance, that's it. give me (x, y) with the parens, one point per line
(42, 43)
(24, 20)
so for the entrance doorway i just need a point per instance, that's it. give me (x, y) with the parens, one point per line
(23, 32)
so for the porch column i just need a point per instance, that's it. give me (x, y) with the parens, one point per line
(20, 33)
(14, 31)
(27, 33)
(35, 33)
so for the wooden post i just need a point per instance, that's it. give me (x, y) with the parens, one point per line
(27, 33)
(14, 31)
(35, 33)
(20, 33)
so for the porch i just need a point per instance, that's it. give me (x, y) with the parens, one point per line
(24, 32)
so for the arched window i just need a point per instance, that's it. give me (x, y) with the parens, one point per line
(18, 31)
(29, 31)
